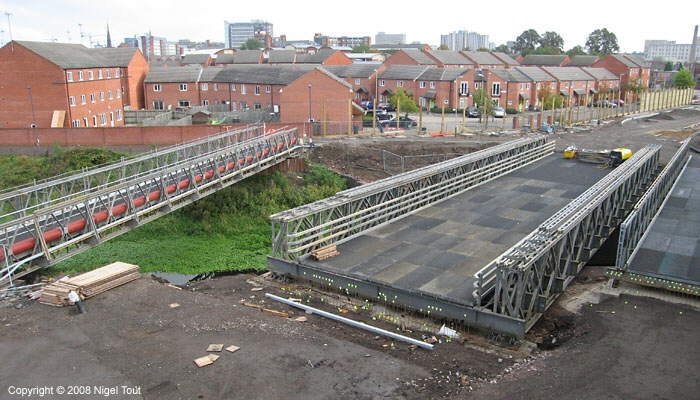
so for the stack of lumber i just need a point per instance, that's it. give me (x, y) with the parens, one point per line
(89, 284)
(325, 253)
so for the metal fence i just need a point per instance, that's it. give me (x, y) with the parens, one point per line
(393, 163)
(633, 229)
(351, 213)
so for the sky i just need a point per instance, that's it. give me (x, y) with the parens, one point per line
(44, 20)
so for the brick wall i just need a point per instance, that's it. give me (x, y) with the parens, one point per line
(136, 73)
(400, 58)
(93, 111)
(329, 99)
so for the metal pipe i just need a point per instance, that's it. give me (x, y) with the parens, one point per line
(356, 324)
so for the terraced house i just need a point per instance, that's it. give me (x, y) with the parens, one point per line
(61, 84)
(632, 70)
(572, 83)
(428, 86)
(362, 77)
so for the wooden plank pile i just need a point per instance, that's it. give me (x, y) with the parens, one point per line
(89, 284)
(325, 253)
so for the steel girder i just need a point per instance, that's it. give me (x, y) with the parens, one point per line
(23, 200)
(633, 229)
(70, 227)
(353, 212)
(526, 279)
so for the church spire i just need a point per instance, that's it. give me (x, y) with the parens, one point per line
(109, 38)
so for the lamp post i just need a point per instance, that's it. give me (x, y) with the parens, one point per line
(309, 102)
(31, 102)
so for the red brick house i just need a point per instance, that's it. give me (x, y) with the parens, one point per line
(540, 80)
(582, 61)
(604, 79)
(553, 60)
(572, 83)
(484, 59)
(428, 86)
(410, 57)
(240, 57)
(320, 57)
(630, 69)
(509, 88)
(507, 60)
(362, 77)
(449, 59)
(197, 59)
(69, 84)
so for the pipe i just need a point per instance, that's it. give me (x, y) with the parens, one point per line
(351, 322)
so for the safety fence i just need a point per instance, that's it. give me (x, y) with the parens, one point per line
(393, 163)
(348, 214)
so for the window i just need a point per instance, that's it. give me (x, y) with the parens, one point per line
(496, 89)
(123, 90)
(91, 75)
(85, 122)
(183, 87)
(158, 105)
(92, 97)
(99, 74)
(117, 74)
(244, 106)
(234, 106)
(357, 81)
(69, 76)
(71, 100)
(381, 82)
(76, 123)
(183, 103)
(233, 87)
(399, 84)
(111, 116)
(257, 106)
(80, 75)
(109, 74)
(242, 88)
(103, 119)
(216, 87)
(257, 89)
(82, 99)
(110, 95)
(268, 89)
(527, 86)
(102, 96)
(94, 120)
(461, 102)
(464, 88)
(119, 115)
(205, 87)
(157, 88)
(422, 102)
(478, 85)
(119, 93)
(422, 84)
(205, 102)
(432, 85)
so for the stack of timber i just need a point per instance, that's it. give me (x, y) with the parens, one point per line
(90, 283)
(325, 253)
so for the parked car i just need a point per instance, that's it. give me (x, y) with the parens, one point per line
(473, 112)
(386, 107)
(367, 105)
(603, 103)
(404, 122)
(381, 116)
(499, 112)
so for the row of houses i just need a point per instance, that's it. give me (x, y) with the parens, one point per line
(321, 57)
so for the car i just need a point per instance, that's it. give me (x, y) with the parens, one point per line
(619, 102)
(473, 112)
(367, 105)
(381, 116)
(386, 107)
(603, 103)
(499, 112)
(404, 122)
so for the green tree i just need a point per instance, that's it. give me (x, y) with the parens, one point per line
(550, 99)
(502, 49)
(527, 41)
(362, 48)
(400, 97)
(684, 80)
(668, 66)
(252, 44)
(553, 40)
(483, 102)
(575, 51)
(443, 47)
(602, 42)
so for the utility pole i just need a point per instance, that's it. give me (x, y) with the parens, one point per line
(9, 28)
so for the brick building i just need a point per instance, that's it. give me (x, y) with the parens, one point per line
(509, 88)
(449, 59)
(484, 59)
(60, 84)
(321, 57)
(572, 83)
(631, 70)
(604, 79)
(507, 60)
(582, 61)
(240, 57)
(362, 78)
(553, 60)
(428, 86)
(410, 57)
(540, 81)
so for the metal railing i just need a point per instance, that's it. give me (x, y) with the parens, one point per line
(527, 278)
(634, 227)
(353, 212)
(72, 226)
(23, 200)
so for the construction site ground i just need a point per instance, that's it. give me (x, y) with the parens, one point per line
(595, 342)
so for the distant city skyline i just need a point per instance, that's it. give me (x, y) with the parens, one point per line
(165, 19)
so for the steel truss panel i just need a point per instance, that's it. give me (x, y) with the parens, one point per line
(23, 200)
(525, 280)
(633, 229)
(353, 212)
(65, 229)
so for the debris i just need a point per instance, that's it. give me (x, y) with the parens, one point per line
(256, 289)
(232, 348)
(170, 285)
(275, 312)
(215, 347)
(75, 299)
(431, 340)
(206, 360)
(325, 253)
(294, 299)
(89, 284)
(252, 305)
(300, 319)
(451, 333)
(174, 305)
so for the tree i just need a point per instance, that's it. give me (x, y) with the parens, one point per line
(483, 103)
(401, 98)
(602, 42)
(252, 44)
(550, 99)
(668, 66)
(483, 49)
(362, 48)
(502, 49)
(684, 80)
(527, 41)
(575, 51)
(443, 47)
(552, 39)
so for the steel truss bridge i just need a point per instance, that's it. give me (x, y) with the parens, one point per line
(508, 294)
(48, 221)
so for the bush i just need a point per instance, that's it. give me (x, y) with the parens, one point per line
(448, 110)
(511, 111)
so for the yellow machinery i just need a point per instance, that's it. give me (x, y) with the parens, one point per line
(610, 158)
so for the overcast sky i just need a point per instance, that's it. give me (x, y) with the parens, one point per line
(423, 21)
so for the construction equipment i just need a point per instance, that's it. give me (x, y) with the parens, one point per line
(609, 158)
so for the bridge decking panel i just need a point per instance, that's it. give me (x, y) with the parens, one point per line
(671, 248)
(439, 249)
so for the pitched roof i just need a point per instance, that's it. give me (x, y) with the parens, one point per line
(317, 58)
(224, 59)
(247, 57)
(442, 74)
(536, 74)
(600, 73)
(419, 56)
(638, 60)
(69, 55)
(282, 56)
(195, 59)
(449, 57)
(423, 73)
(568, 73)
(187, 73)
(483, 57)
(582, 61)
(510, 75)
(353, 70)
(544, 59)
(508, 60)
(624, 60)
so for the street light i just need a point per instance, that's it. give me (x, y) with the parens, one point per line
(309, 102)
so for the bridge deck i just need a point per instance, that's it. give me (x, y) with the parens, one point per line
(438, 250)
(671, 248)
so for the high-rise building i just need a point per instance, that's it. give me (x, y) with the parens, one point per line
(464, 40)
(389, 38)
(668, 50)
(237, 33)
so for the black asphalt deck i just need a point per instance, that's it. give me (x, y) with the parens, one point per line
(439, 249)
(671, 248)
